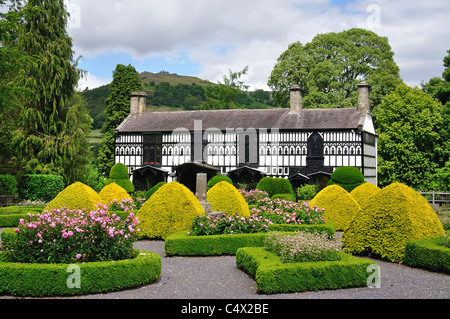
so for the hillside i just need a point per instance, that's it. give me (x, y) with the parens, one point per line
(172, 79)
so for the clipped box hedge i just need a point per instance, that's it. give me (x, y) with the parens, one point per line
(274, 276)
(429, 254)
(10, 216)
(181, 244)
(48, 280)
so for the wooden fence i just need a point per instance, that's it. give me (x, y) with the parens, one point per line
(438, 198)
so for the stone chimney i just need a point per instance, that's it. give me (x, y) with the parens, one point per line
(137, 102)
(364, 97)
(296, 99)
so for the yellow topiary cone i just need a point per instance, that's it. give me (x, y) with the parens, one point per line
(224, 197)
(172, 208)
(75, 196)
(394, 216)
(339, 206)
(363, 193)
(112, 192)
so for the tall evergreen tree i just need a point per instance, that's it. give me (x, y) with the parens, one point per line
(45, 138)
(117, 106)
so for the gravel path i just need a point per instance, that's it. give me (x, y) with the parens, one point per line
(220, 278)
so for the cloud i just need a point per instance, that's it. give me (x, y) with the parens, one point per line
(91, 81)
(218, 35)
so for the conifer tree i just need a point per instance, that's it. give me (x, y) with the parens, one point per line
(49, 133)
(117, 106)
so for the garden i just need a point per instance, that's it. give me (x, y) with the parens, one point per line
(81, 242)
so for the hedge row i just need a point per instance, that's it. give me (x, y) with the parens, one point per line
(10, 216)
(180, 244)
(273, 276)
(47, 280)
(429, 254)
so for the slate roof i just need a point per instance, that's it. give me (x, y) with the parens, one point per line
(346, 118)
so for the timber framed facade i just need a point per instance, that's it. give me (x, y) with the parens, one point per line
(288, 143)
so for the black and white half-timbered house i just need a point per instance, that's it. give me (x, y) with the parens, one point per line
(303, 145)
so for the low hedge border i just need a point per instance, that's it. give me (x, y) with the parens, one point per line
(11, 216)
(427, 253)
(49, 280)
(274, 276)
(180, 244)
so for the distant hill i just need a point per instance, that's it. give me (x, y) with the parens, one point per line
(172, 79)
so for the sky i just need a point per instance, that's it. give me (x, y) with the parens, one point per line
(208, 38)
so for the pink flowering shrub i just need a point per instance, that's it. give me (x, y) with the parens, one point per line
(253, 196)
(268, 212)
(303, 246)
(226, 224)
(70, 236)
(286, 212)
(126, 204)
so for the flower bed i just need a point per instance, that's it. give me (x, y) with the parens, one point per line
(47, 280)
(433, 254)
(182, 244)
(274, 276)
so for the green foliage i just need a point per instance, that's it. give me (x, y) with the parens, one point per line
(40, 187)
(330, 67)
(391, 218)
(50, 280)
(117, 106)
(217, 179)
(347, 177)
(273, 186)
(274, 276)
(171, 208)
(48, 137)
(8, 185)
(410, 144)
(182, 244)
(287, 197)
(306, 192)
(180, 95)
(152, 190)
(428, 253)
(119, 175)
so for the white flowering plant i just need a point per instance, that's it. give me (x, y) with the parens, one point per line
(303, 246)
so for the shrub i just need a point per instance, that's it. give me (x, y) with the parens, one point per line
(302, 246)
(364, 192)
(217, 179)
(347, 177)
(119, 175)
(306, 192)
(433, 254)
(152, 190)
(275, 186)
(40, 187)
(172, 208)
(113, 192)
(76, 196)
(394, 216)
(224, 197)
(287, 197)
(253, 196)
(70, 236)
(339, 206)
(49, 280)
(8, 185)
(274, 276)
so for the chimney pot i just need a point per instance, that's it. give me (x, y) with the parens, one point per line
(296, 99)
